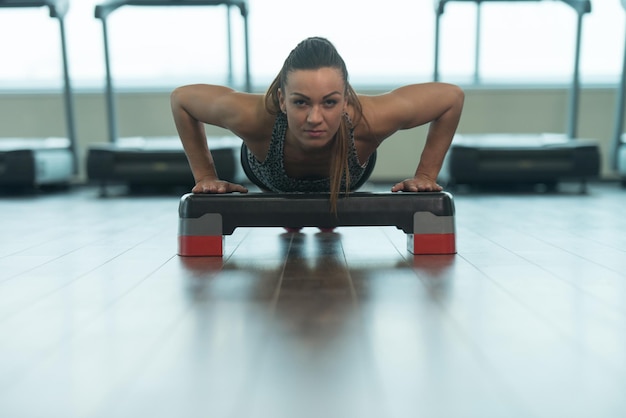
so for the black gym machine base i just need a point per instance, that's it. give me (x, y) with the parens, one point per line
(32, 162)
(519, 159)
(157, 162)
(426, 218)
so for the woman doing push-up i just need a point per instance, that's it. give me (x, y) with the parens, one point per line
(311, 132)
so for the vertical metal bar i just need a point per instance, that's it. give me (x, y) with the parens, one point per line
(477, 46)
(438, 13)
(244, 15)
(110, 100)
(575, 88)
(230, 45)
(618, 129)
(68, 98)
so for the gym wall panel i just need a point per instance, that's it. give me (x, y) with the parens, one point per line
(486, 110)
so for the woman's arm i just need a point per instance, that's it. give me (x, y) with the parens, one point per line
(192, 107)
(407, 107)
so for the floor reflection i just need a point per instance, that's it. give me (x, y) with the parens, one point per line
(313, 275)
(299, 313)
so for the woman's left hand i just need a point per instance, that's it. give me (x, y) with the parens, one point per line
(419, 183)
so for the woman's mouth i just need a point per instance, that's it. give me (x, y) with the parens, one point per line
(315, 133)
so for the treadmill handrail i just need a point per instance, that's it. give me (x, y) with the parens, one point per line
(581, 6)
(103, 10)
(108, 6)
(58, 8)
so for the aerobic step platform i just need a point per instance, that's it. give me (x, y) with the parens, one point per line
(427, 218)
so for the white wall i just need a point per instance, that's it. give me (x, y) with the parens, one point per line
(529, 110)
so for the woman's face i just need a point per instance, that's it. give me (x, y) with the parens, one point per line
(314, 101)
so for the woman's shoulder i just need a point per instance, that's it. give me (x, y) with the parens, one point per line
(378, 118)
(249, 118)
(397, 109)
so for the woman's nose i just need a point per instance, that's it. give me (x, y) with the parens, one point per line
(314, 116)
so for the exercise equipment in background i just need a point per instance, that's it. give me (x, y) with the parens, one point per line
(160, 161)
(619, 137)
(426, 218)
(35, 162)
(507, 159)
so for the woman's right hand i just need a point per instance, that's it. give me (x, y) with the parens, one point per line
(217, 186)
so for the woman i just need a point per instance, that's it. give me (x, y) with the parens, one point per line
(311, 132)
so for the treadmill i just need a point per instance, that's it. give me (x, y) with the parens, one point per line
(160, 162)
(30, 163)
(619, 138)
(509, 159)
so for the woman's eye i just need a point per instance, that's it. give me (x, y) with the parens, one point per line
(330, 103)
(299, 102)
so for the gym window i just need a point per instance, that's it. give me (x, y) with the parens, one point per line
(154, 47)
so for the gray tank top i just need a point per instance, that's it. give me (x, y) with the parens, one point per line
(271, 172)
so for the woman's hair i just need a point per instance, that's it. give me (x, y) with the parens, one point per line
(312, 54)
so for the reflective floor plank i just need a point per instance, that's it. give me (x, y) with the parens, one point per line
(99, 317)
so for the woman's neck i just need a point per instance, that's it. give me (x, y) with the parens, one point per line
(301, 162)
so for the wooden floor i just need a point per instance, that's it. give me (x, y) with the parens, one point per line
(100, 318)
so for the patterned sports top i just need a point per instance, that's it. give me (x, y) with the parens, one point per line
(271, 172)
